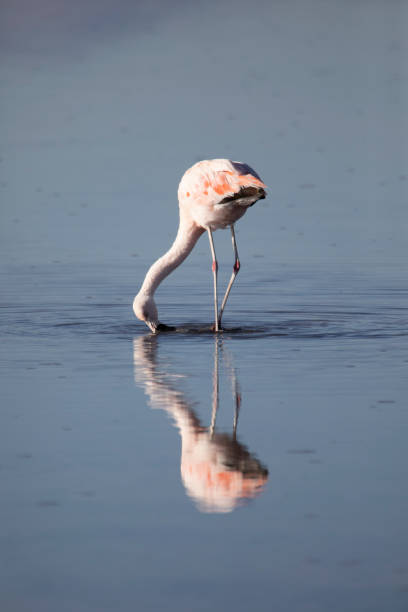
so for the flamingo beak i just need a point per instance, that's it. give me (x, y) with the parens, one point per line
(164, 328)
(159, 327)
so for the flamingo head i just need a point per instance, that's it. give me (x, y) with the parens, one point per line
(145, 309)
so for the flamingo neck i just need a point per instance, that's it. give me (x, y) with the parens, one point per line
(187, 236)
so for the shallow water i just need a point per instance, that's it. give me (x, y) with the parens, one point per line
(184, 470)
(260, 469)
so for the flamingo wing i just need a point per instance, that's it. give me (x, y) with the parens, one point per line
(220, 181)
(238, 187)
(241, 181)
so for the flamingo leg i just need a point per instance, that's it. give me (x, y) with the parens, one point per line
(215, 270)
(235, 271)
(215, 397)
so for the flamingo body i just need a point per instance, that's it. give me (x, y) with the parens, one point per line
(216, 193)
(213, 194)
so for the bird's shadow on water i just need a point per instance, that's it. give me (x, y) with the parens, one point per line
(197, 329)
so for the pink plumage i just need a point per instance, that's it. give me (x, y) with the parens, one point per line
(213, 194)
(217, 192)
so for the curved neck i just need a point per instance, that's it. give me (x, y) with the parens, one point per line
(187, 236)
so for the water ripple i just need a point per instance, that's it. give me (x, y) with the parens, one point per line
(307, 323)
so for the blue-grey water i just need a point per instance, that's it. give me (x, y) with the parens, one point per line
(264, 468)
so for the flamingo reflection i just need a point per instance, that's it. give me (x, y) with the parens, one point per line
(218, 472)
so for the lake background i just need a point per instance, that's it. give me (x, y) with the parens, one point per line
(104, 106)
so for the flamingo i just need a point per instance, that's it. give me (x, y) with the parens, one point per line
(213, 194)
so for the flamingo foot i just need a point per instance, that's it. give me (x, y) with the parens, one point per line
(213, 328)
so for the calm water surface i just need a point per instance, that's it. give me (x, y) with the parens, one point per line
(265, 467)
